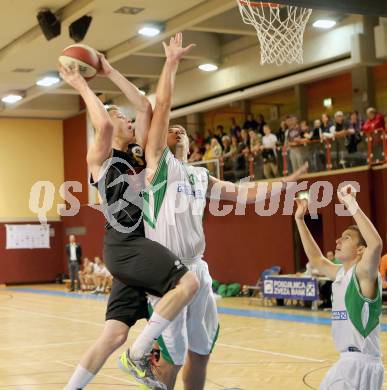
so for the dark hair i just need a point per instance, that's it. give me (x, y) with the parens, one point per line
(361, 239)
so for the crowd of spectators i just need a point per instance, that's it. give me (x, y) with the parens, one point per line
(256, 141)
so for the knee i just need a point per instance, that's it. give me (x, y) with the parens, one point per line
(190, 284)
(112, 341)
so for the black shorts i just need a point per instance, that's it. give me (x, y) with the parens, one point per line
(142, 266)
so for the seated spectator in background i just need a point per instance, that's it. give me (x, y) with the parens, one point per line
(195, 155)
(269, 153)
(199, 139)
(207, 152)
(332, 258)
(216, 149)
(86, 275)
(297, 152)
(375, 121)
(383, 270)
(261, 122)
(235, 129)
(210, 135)
(251, 123)
(316, 132)
(101, 274)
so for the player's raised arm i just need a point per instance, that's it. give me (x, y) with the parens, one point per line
(368, 267)
(313, 252)
(230, 191)
(140, 102)
(101, 148)
(157, 138)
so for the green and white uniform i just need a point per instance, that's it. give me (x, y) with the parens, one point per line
(173, 213)
(356, 334)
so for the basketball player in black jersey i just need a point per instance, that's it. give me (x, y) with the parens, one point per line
(137, 264)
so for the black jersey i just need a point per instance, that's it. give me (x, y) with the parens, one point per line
(121, 187)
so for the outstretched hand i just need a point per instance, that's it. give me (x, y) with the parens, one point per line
(347, 196)
(297, 174)
(72, 76)
(175, 50)
(105, 68)
(302, 207)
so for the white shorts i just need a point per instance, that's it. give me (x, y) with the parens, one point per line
(196, 327)
(354, 371)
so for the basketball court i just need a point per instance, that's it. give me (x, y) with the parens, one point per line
(291, 67)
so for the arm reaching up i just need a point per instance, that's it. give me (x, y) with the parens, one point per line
(368, 267)
(157, 139)
(100, 150)
(133, 94)
(313, 252)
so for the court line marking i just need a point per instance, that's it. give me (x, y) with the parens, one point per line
(270, 352)
(45, 345)
(132, 383)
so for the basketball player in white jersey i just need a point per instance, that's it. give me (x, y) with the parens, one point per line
(173, 212)
(357, 301)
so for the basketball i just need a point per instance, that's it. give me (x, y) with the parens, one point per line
(85, 56)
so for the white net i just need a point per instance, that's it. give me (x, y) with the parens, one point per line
(280, 30)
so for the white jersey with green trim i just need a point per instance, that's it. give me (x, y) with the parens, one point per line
(174, 205)
(355, 318)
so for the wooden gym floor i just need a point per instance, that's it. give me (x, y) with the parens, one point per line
(44, 332)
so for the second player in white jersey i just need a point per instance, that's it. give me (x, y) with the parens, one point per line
(174, 207)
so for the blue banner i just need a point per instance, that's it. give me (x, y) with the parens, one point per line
(291, 288)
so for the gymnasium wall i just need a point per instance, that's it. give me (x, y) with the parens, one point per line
(380, 83)
(31, 150)
(339, 88)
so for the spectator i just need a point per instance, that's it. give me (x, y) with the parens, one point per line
(296, 144)
(86, 275)
(207, 153)
(304, 128)
(195, 155)
(245, 140)
(235, 129)
(383, 270)
(74, 255)
(101, 276)
(209, 136)
(219, 133)
(281, 133)
(269, 154)
(326, 124)
(255, 142)
(199, 139)
(226, 143)
(353, 139)
(261, 122)
(332, 258)
(251, 123)
(374, 122)
(234, 145)
(316, 149)
(216, 149)
(338, 132)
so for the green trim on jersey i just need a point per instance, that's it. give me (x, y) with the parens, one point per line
(215, 338)
(354, 303)
(158, 186)
(163, 348)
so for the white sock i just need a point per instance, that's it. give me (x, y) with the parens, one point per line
(79, 379)
(150, 333)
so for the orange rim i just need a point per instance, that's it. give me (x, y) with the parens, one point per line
(256, 4)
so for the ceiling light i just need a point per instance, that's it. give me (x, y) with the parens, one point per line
(208, 67)
(48, 81)
(149, 31)
(129, 10)
(324, 23)
(12, 98)
(142, 92)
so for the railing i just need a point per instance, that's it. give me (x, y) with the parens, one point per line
(323, 155)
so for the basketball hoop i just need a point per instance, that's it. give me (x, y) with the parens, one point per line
(280, 30)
